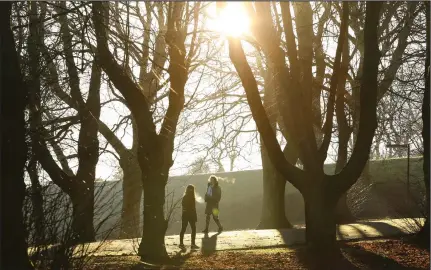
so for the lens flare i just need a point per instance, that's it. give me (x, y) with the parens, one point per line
(232, 20)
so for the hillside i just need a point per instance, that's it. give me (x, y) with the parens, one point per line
(240, 207)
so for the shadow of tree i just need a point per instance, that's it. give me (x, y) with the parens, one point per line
(370, 260)
(381, 227)
(417, 240)
(340, 233)
(339, 262)
(349, 258)
(293, 237)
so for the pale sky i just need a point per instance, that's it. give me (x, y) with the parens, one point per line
(189, 147)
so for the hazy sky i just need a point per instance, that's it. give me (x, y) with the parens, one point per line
(193, 143)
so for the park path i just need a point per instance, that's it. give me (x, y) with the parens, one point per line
(247, 239)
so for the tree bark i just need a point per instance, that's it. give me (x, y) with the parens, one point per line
(34, 41)
(152, 246)
(424, 234)
(14, 150)
(132, 196)
(320, 232)
(343, 214)
(82, 215)
(273, 214)
(37, 213)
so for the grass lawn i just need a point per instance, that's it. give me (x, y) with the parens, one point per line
(370, 254)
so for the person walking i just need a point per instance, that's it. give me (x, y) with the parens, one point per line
(212, 198)
(188, 215)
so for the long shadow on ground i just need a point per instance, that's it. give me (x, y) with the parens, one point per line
(352, 257)
(209, 244)
(381, 227)
(369, 260)
(208, 247)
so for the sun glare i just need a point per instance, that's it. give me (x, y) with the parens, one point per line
(232, 20)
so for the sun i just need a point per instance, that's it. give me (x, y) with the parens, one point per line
(232, 20)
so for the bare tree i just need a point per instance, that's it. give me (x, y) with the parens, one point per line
(321, 192)
(79, 186)
(397, 24)
(154, 149)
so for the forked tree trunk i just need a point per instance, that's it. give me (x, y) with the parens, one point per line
(132, 195)
(82, 216)
(155, 149)
(321, 192)
(153, 236)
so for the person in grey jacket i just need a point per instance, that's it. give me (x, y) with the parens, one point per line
(212, 198)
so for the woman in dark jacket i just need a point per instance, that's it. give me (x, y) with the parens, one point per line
(189, 215)
(212, 198)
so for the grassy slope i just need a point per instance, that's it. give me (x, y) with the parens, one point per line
(242, 194)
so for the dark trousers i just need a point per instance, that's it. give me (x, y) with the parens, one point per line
(216, 219)
(185, 222)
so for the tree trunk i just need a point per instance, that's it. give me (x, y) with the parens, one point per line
(424, 234)
(153, 235)
(14, 150)
(320, 203)
(83, 214)
(132, 195)
(343, 215)
(273, 214)
(35, 35)
(273, 208)
(37, 213)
